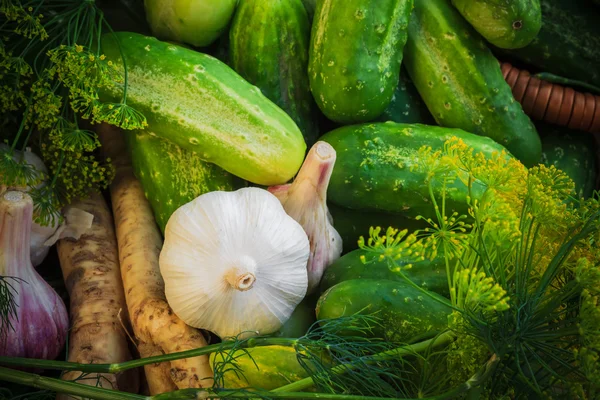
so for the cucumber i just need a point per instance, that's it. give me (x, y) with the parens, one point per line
(202, 105)
(310, 6)
(372, 169)
(268, 46)
(430, 275)
(508, 24)
(264, 367)
(461, 82)
(573, 153)
(352, 224)
(171, 176)
(355, 56)
(404, 312)
(196, 22)
(568, 43)
(406, 105)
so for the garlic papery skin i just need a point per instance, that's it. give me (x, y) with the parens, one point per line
(305, 200)
(39, 328)
(234, 263)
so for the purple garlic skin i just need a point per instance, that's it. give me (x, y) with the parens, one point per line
(41, 324)
(305, 200)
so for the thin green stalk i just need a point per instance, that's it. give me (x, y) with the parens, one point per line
(399, 352)
(124, 366)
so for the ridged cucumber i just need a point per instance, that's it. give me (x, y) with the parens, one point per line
(373, 168)
(171, 176)
(460, 80)
(508, 24)
(268, 46)
(264, 367)
(568, 43)
(406, 105)
(404, 312)
(430, 275)
(355, 56)
(202, 105)
(573, 153)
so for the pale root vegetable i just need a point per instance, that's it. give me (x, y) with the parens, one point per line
(156, 328)
(90, 267)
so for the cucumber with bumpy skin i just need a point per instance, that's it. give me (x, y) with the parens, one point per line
(404, 312)
(460, 80)
(202, 105)
(268, 46)
(355, 56)
(508, 24)
(406, 105)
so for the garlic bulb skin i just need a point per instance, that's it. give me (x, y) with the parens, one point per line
(234, 263)
(305, 200)
(40, 323)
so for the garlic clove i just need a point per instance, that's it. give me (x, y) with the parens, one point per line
(305, 200)
(40, 324)
(234, 262)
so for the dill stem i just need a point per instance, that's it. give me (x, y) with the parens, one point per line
(124, 366)
(399, 352)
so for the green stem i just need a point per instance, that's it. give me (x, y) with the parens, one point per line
(548, 77)
(124, 366)
(399, 352)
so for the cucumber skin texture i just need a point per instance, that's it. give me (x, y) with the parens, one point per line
(372, 168)
(352, 224)
(573, 153)
(202, 105)
(355, 55)
(494, 20)
(406, 105)
(460, 80)
(277, 366)
(171, 176)
(268, 46)
(404, 311)
(428, 274)
(568, 44)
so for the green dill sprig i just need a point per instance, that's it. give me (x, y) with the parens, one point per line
(8, 305)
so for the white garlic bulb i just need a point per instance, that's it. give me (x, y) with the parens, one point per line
(234, 263)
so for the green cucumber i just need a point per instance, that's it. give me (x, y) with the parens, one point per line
(352, 224)
(263, 367)
(268, 46)
(372, 171)
(508, 24)
(573, 153)
(355, 56)
(310, 6)
(568, 44)
(404, 312)
(460, 80)
(300, 321)
(202, 105)
(171, 176)
(428, 274)
(406, 105)
(196, 22)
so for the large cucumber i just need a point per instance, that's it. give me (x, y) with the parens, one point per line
(461, 82)
(373, 168)
(573, 153)
(355, 56)
(268, 46)
(404, 312)
(202, 105)
(429, 274)
(171, 176)
(568, 43)
(508, 24)
(406, 105)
